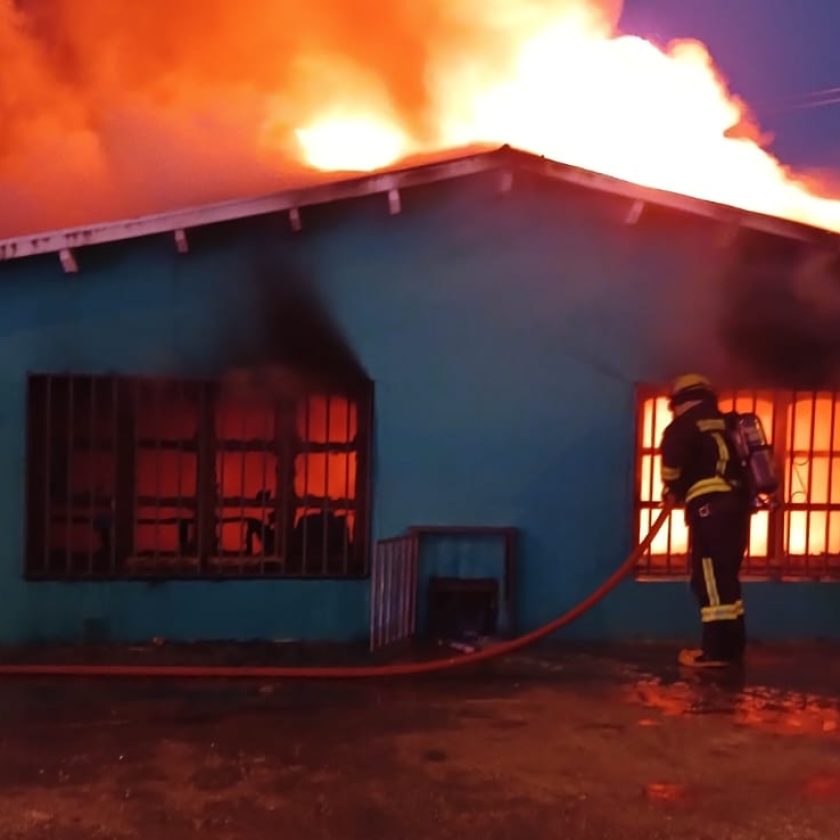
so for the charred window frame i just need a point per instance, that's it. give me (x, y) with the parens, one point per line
(800, 540)
(132, 477)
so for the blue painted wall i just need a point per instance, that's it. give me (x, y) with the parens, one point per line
(504, 335)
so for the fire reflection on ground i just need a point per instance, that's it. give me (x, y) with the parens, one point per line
(776, 711)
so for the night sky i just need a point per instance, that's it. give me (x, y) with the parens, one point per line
(773, 52)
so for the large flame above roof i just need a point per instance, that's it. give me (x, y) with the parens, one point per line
(113, 108)
(575, 92)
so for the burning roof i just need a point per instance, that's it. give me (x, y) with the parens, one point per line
(504, 161)
(115, 109)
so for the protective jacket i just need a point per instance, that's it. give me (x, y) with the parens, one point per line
(697, 458)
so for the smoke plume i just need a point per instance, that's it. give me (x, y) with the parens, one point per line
(780, 320)
(281, 340)
(117, 107)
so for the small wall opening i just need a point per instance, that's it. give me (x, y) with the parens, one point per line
(460, 607)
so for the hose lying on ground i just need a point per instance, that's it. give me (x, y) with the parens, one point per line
(400, 669)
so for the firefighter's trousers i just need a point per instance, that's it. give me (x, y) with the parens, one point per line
(718, 532)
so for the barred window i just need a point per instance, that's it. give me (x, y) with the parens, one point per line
(801, 539)
(133, 477)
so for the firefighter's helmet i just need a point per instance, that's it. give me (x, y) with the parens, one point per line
(689, 387)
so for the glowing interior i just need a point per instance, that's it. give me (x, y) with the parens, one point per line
(811, 477)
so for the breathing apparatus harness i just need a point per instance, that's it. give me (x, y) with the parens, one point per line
(749, 444)
(746, 437)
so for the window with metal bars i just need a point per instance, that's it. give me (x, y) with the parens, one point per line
(136, 477)
(798, 540)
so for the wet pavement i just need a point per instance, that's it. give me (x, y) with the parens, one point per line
(566, 743)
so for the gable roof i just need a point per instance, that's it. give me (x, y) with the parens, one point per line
(506, 160)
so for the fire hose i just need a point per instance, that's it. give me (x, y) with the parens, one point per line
(401, 669)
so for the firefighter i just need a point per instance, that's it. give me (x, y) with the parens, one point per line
(700, 470)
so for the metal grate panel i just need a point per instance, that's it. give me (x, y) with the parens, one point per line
(148, 477)
(801, 539)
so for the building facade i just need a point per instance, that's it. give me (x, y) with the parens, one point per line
(210, 418)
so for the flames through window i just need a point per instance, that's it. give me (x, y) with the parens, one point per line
(132, 477)
(799, 539)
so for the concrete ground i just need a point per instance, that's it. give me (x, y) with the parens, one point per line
(564, 743)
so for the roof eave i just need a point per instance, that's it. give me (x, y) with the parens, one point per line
(291, 201)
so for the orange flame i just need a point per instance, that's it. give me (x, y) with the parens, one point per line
(619, 105)
(359, 143)
(111, 107)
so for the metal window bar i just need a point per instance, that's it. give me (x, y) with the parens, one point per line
(111, 523)
(809, 497)
(638, 483)
(349, 407)
(68, 487)
(750, 559)
(158, 430)
(362, 490)
(326, 512)
(109, 503)
(221, 496)
(829, 481)
(48, 483)
(652, 466)
(264, 500)
(652, 469)
(190, 508)
(794, 477)
(285, 423)
(789, 566)
(205, 475)
(180, 405)
(243, 454)
(113, 513)
(93, 451)
(305, 509)
(669, 563)
(776, 519)
(135, 509)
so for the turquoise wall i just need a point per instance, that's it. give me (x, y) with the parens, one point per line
(504, 335)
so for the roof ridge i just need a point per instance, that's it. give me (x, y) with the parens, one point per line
(403, 176)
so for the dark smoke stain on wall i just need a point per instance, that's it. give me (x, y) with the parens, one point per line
(284, 339)
(780, 313)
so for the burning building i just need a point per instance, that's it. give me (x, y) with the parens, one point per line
(214, 417)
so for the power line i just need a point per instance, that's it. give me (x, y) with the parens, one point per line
(821, 98)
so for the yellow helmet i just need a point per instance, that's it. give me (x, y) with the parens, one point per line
(690, 386)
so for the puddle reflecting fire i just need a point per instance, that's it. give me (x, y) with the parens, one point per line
(782, 712)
